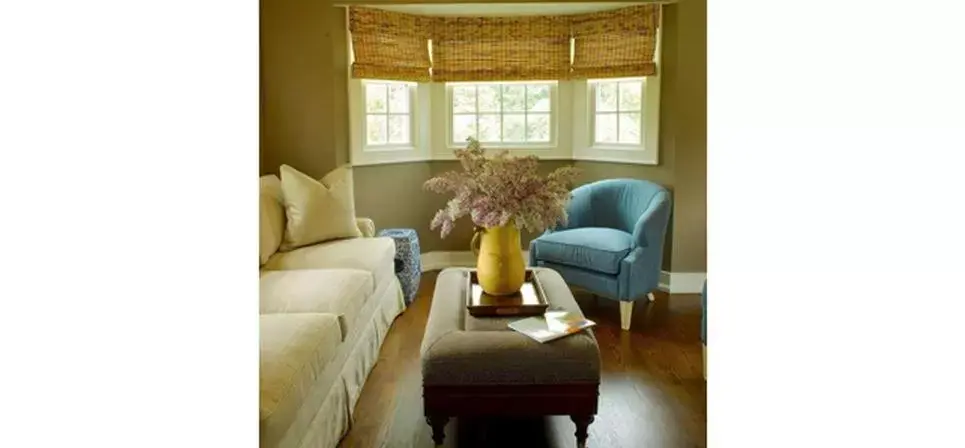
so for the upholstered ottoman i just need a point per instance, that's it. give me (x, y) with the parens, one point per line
(408, 263)
(478, 366)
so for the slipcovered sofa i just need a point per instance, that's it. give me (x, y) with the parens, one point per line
(324, 311)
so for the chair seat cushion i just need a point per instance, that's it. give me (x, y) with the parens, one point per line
(592, 248)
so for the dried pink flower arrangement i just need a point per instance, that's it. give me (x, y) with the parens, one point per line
(502, 189)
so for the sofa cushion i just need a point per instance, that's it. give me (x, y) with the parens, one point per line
(317, 211)
(593, 248)
(294, 350)
(342, 292)
(373, 255)
(272, 220)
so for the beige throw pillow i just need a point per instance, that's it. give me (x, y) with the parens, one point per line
(272, 223)
(317, 211)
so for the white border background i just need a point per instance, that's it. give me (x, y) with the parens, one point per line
(130, 147)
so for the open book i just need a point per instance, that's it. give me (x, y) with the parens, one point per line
(552, 325)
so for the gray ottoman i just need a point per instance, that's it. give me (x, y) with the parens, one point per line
(478, 366)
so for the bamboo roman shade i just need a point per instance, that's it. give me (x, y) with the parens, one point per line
(392, 45)
(500, 48)
(389, 45)
(615, 43)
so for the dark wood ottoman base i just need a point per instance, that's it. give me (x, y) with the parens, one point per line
(579, 401)
(479, 367)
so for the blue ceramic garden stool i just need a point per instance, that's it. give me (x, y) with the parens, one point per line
(408, 264)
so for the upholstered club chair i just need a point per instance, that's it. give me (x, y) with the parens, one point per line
(612, 245)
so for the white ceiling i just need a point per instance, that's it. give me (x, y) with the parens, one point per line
(503, 9)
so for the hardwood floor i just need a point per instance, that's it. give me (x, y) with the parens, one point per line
(652, 393)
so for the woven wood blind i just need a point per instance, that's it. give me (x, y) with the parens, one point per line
(615, 43)
(389, 45)
(500, 48)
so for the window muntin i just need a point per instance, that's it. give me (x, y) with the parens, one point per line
(388, 113)
(507, 113)
(617, 111)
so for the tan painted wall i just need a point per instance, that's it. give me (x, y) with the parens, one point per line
(690, 152)
(305, 124)
(297, 85)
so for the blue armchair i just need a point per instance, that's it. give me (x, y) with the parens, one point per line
(612, 244)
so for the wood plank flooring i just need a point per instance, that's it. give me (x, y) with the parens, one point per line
(652, 394)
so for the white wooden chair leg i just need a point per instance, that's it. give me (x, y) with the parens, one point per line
(651, 297)
(626, 311)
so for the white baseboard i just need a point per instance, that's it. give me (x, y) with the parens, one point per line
(432, 261)
(673, 282)
(687, 282)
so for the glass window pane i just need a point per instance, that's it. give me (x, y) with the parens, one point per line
(630, 95)
(538, 98)
(464, 99)
(375, 98)
(375, 127)
(489, 98)
(514, 128)
(606, 96)
(463, 127)
(489, 127)
(630, 128)
(538, 128)
(398, 98)
(399, 129)
(514, 98)
(606, 128)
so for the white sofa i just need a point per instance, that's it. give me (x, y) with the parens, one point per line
(324, 311)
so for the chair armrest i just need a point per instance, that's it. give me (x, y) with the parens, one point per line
(640, 272)
(652, 224)
(366, 227)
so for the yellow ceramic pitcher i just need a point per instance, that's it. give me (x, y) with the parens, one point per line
(499, 259)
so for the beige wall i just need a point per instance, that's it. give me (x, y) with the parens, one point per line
(690, 145)
(305, 124)
(297, 85)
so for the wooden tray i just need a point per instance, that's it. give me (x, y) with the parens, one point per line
(529, 301)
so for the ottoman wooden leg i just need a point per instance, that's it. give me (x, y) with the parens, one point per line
(582, 424)
(438, 424)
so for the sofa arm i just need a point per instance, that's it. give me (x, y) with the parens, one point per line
(366, 226)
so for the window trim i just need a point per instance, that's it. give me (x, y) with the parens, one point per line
(361, 154)
(645, 153)
(432, 125)
(553, 113)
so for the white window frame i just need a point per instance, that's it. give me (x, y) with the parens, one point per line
(364, 154)
(366, 146)
(553, 114)
(586, 148)
(558, 148)
(592, 90)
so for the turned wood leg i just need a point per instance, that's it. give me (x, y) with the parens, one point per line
(438, 424)
(626, 311)
(582, 423)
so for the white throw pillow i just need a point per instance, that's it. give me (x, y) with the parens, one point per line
(317, 211)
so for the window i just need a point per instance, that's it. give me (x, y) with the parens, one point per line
(388, 114)
(617, 112)
(519, 114)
